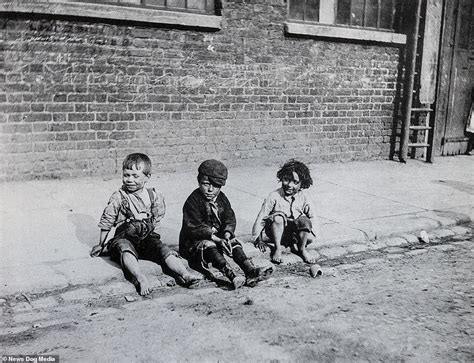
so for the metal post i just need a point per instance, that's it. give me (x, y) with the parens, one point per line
(408, 90)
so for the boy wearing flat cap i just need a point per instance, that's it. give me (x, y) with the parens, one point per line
(208, 229)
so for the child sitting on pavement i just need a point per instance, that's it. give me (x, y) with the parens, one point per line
(136, 211)
(287, 216)
(208, 229)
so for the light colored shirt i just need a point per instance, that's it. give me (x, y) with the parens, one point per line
(292, 206)
(140, 205)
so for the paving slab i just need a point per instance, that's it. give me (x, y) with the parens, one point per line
(87, 270)
(334, 234)
(359, 205)
(16, 279)
(395, 225)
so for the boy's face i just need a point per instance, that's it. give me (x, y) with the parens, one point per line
(208, 189)
(134, 179)
(291, 185)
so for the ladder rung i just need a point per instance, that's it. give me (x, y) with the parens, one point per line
(420, 128)
(419, 145)
(421, 109)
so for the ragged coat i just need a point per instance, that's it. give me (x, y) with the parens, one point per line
(200, 223)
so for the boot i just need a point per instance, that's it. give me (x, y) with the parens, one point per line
(237, 281)
(255, 274)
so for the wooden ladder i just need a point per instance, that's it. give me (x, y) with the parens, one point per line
(421, 116)
(417, 129)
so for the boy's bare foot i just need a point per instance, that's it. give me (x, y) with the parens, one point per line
(307, 257)
(276, 256)
(144, 287)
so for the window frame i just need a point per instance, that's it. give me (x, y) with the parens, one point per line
(142, 14)
(342, 31)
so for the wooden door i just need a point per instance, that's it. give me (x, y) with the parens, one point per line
(455, 80)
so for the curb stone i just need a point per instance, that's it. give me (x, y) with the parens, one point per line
(14, 330)
(394, 250)
(461, 230)
(410, 237)
(443, 233)
(443, 248)
(79, 294)
(395, 241)
(416, 252)
(464, 244)
(333, 252)
(373, 261)
(395, 256)
(30, 317)
(21, 307)
(390, 245)
(356, 248)
(45, 302)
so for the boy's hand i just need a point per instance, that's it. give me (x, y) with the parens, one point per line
(96, 250)
(262, 246)
(226, 246)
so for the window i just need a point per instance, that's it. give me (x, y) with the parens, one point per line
(368, 20)
(198, 6)
(377, 14)
(186, 13)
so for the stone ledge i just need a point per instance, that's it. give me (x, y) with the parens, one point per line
(116, 12)
(330, 31)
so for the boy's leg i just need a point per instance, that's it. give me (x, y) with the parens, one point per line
(276, 232)
(253, 274)
(213, 256)
(177, 267)
(130, 262)
(123, 251)
(305, 238)
(153, 249)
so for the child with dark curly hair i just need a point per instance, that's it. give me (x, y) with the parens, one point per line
(287, 215)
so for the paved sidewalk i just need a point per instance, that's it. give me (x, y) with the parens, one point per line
(48, 227)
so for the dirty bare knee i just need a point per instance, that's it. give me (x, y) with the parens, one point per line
(279, 220)
(208, 244)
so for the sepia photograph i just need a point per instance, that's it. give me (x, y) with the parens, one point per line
(237, 181)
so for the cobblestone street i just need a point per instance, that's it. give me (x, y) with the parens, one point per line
(397, 303)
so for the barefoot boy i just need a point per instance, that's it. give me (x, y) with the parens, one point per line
(287, 215)
(135, 212)
(208, 229)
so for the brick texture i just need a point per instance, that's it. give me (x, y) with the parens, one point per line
(76, 96)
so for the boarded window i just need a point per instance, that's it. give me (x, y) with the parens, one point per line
(377, 14)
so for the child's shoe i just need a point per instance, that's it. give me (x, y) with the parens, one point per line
(188, 280)
(255, 274)
(191, 280)
(237, 280)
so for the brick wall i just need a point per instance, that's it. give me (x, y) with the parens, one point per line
(78, 95)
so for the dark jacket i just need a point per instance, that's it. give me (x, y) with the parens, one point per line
(198, 221)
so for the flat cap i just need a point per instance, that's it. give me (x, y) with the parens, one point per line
(214, 170)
